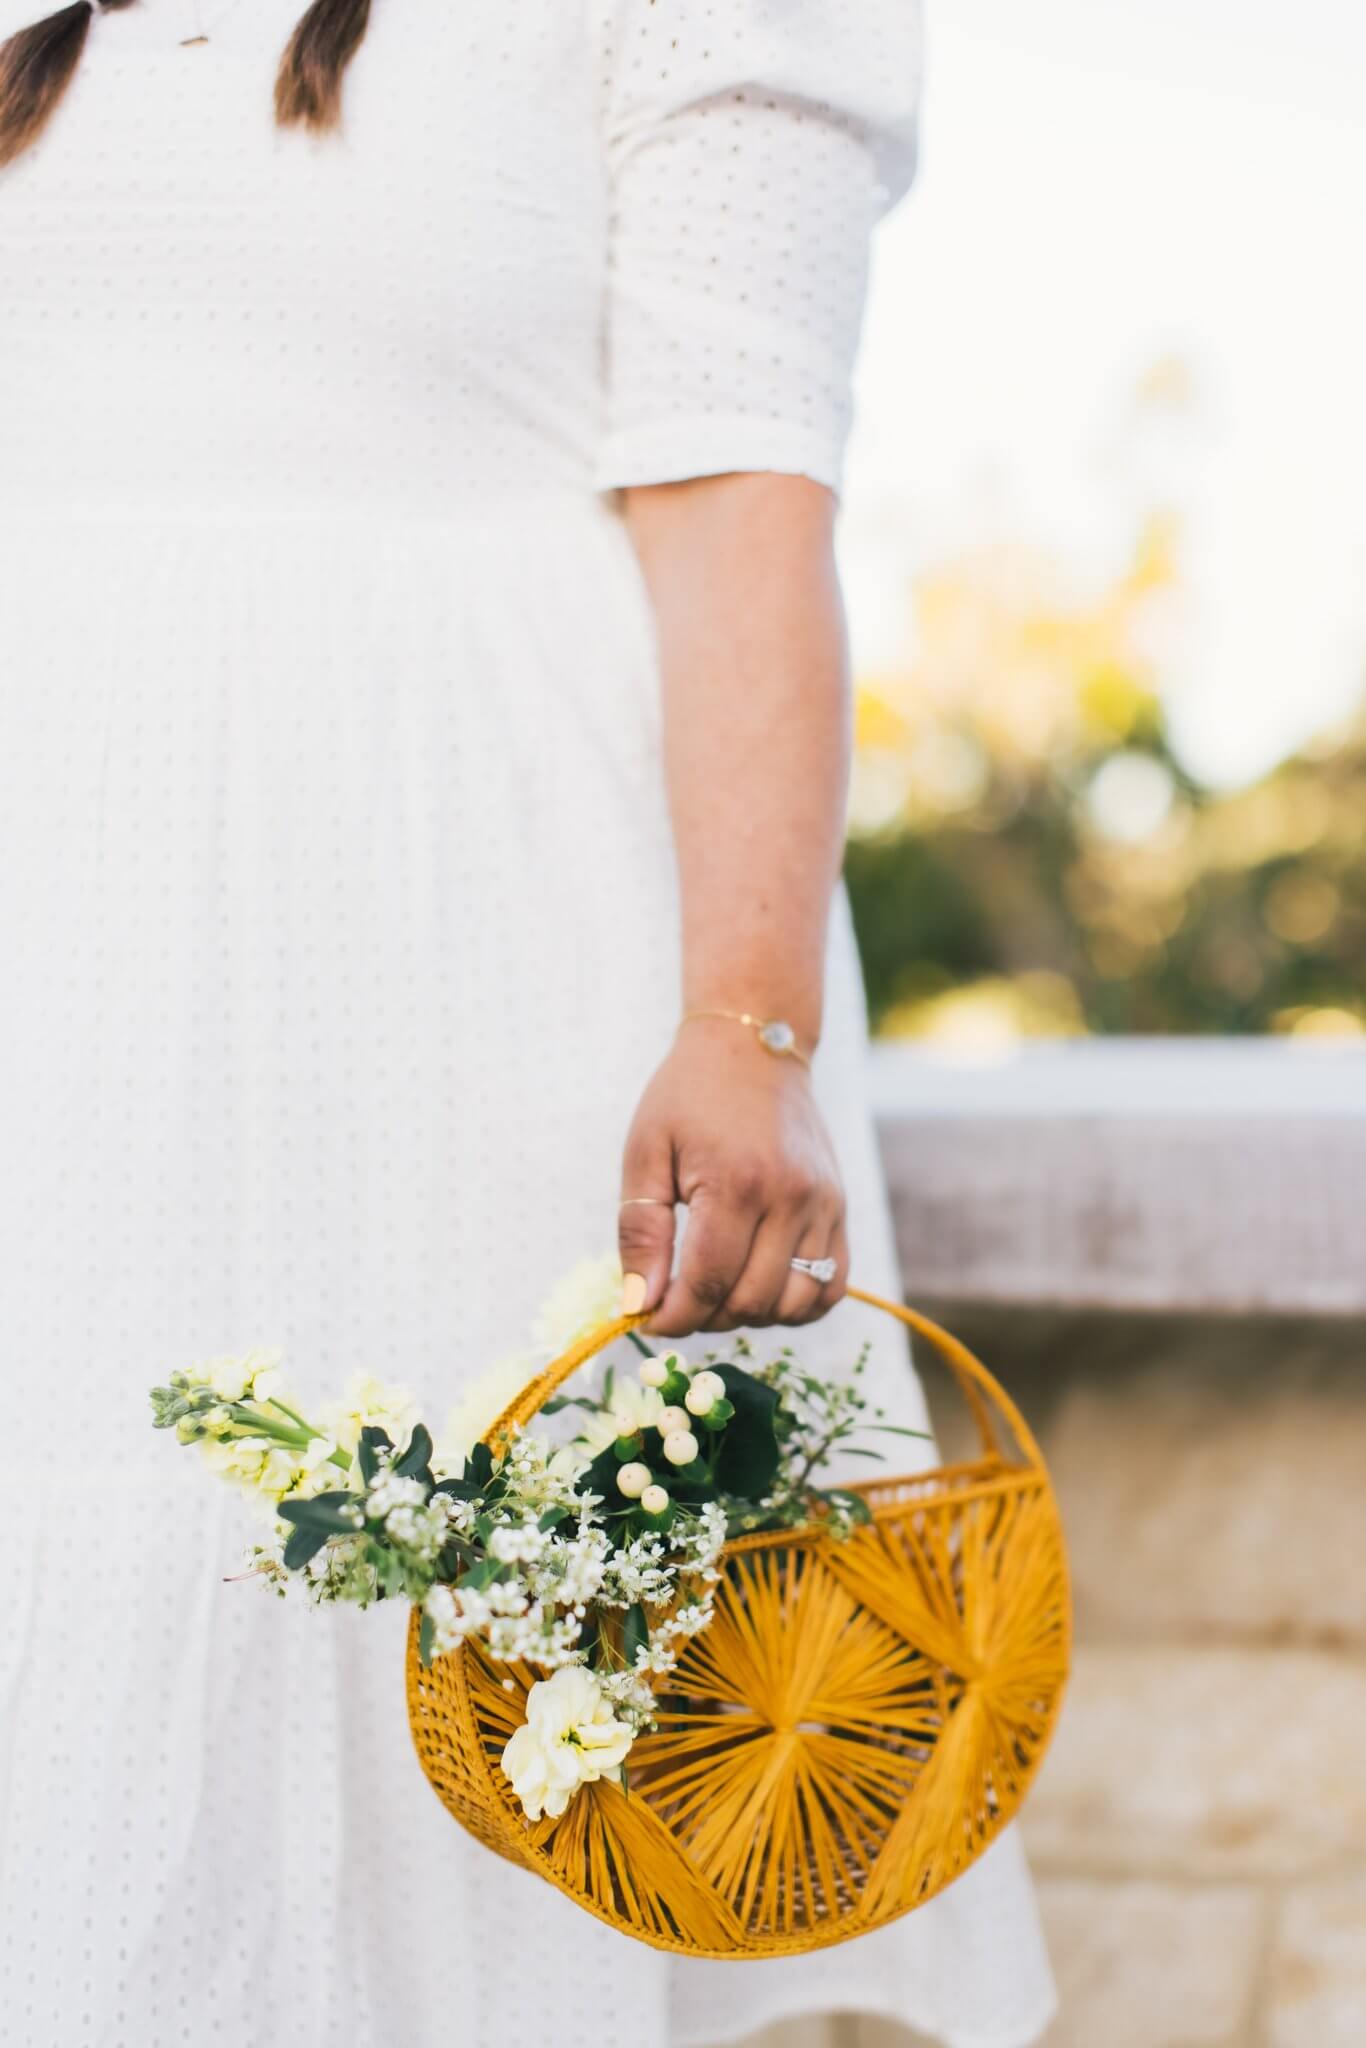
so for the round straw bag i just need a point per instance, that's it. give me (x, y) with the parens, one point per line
(861, 1718)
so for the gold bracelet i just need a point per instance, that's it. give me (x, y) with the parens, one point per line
(774, 1034)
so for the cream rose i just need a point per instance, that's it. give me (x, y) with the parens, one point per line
(570, 1738)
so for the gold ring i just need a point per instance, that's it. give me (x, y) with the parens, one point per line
(642, 1201)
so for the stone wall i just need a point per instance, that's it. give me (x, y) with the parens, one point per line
(1198, 1832)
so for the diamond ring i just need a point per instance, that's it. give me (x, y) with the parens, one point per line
(819, 1269)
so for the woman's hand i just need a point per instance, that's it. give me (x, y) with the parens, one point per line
(740, 571)
(735, 1133)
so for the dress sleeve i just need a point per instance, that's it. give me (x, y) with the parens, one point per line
(751, 145)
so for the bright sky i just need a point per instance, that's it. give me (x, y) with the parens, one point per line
(1106, 183)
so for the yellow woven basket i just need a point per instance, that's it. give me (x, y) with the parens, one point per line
(858, 1722)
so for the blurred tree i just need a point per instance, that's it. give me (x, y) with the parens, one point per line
(1027, 855)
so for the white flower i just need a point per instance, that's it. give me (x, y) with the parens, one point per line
(654, 1500)
(370, 1404)
(633, 1479)
(704, 1393)
(571, 1737)
(587, 1295)
(390, 1492)
(479, 1407)
(680, 1447)
(653, 1372)
(631, 1409)
(517, 1546)
(671, 1419)
(234, 1379)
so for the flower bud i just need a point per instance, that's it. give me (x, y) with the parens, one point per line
(655, 1499)
(704, 1393)
(632, 1480)
(671, 1419)
(653, 1372)
(680, 1447)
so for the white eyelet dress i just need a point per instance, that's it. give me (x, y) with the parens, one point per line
(338, 927)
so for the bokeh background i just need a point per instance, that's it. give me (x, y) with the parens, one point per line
(1105, 533)
(1105, 546)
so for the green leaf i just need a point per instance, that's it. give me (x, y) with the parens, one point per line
(426, 1639)
(487, 1572)
(635, 1634)
(372, 1440)
(479, 1466)
(746, 1460)
(417, 1459)
(303, 1544)
(458, 1489)
(322, 1511)
(894, 1429)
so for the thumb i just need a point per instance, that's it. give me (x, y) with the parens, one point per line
(645, 1236)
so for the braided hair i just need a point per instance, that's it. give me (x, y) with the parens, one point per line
(37, 65)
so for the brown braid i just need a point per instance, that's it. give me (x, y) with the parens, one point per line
(37, 64)
(309, 82)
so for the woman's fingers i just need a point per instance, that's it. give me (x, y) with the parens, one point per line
(645, 1219)
(755, 1298)
(804, 1298)
(716, 1246)
(645, 1238)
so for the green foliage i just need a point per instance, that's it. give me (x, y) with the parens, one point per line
(1244, 912)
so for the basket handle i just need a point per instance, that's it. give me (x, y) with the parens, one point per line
(981, 1390)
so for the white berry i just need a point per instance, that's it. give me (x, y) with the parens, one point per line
(654, 1500)
(704, 1393)
(632, 1480)
(653, 1372)
(680, 1447)
(671, 1419)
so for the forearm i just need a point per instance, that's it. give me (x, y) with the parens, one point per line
(741, 576)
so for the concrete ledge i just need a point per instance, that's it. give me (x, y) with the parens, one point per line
(1131, 1174)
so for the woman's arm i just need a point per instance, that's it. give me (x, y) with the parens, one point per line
(741, 574)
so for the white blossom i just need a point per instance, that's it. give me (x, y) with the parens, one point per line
(630, 1409)
(587, 1295)
(571, 1737)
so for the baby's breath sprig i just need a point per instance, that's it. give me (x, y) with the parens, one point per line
(593, 1561)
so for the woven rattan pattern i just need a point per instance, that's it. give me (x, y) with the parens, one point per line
(856, 1725)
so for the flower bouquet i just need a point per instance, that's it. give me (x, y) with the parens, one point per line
(591, 1555)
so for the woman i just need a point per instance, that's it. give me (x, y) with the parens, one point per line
(423, 706)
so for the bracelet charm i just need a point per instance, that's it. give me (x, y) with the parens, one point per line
(774, 1034)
